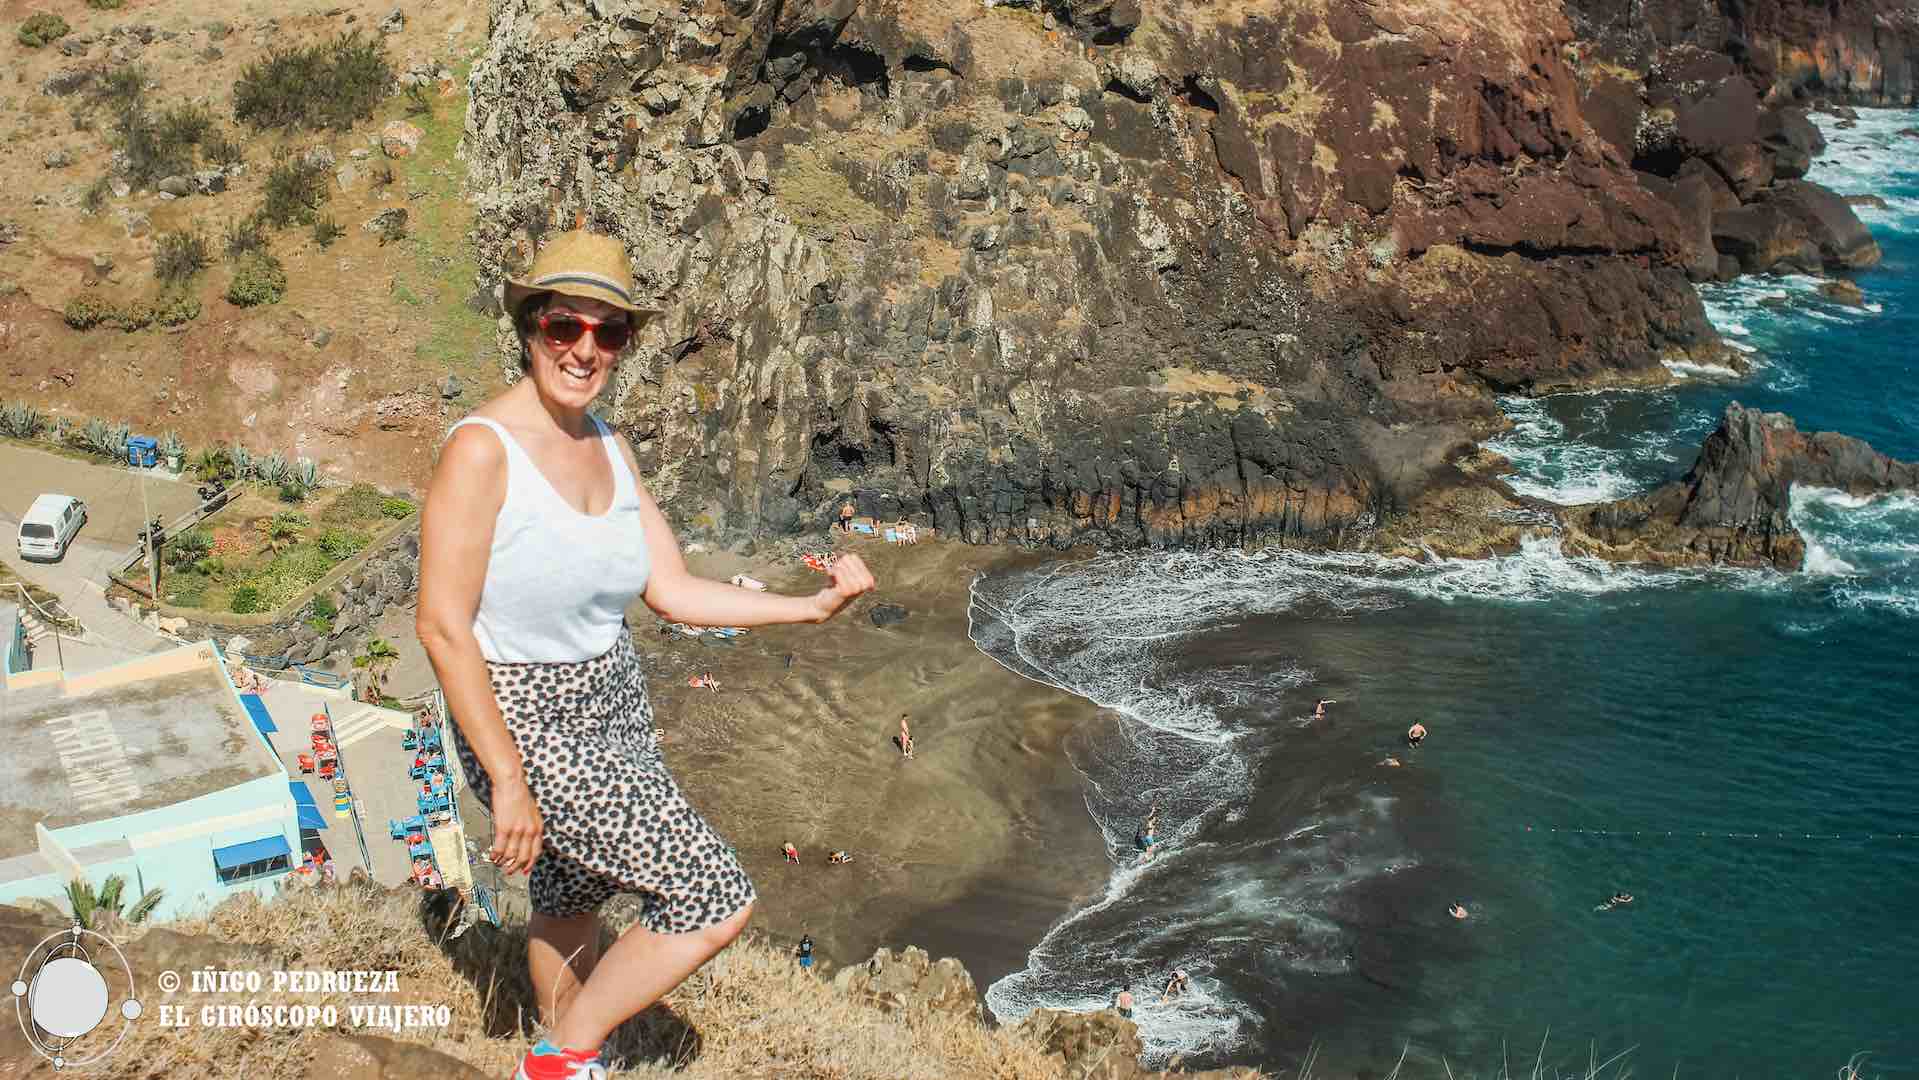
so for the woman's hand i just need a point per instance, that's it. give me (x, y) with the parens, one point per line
(849, 578)
(517, 828)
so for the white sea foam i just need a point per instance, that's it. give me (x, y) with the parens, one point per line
(1551, 467)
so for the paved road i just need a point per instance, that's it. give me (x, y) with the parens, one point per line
(114, 518)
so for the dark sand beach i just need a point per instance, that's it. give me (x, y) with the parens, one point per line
(972, 849)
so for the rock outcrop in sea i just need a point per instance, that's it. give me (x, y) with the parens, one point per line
(1735, 506)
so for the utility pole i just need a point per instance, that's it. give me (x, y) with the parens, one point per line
(153, 562)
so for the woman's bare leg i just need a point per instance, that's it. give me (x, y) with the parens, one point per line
(636, 972)
(550, 941)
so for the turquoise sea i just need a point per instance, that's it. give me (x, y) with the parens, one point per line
(1729, 747)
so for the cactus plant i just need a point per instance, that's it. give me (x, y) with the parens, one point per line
(96, 435)
(22, 421)
(272, 468)
(309, 474)
(242, 459)
(117, 436)
(62, 431)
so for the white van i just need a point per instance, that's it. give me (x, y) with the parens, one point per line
(49, 526)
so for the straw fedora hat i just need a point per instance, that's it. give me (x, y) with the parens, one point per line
(579, 263)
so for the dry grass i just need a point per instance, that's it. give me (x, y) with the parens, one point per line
(750, 1013)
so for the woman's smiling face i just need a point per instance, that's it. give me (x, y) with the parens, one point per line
(573, 374)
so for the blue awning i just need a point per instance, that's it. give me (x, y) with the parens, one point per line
(310, 816)
(258, 710)
(253, 851)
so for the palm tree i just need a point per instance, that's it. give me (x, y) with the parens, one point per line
(92, 909)
(378, 657)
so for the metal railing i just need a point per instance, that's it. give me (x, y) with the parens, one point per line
(284, 667)
(172, 528)
(352, 801)
(52, 621)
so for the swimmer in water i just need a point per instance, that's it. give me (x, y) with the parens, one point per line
(1457, 910)
(1176, 985)
(1319, 710)
(1148, 834)
(1390, 762)
(1415, 734)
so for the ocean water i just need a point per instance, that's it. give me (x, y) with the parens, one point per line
(1728, 746)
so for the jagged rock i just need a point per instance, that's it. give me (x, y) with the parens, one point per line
(450, 388)
(394, 22)
(1842, 239)
(1792, 140)
(887, 614)
(1099, 1045)
(1844, 292)
(1876, 202)
(57, 158)
(175, 186)
(319, 157)
(399, 138)
(210, 181)
(1734, 507)
(66, 81)
(174, 625)
(910, 981)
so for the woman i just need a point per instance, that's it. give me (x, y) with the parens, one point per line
(537, 535)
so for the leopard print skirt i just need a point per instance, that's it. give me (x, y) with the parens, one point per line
(614, 819)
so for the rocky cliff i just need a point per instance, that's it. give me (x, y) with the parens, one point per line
(1734, 507)
(1097, 272)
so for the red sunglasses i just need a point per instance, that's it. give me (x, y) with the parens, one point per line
(563, 328)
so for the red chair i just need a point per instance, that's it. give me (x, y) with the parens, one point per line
(306, 763)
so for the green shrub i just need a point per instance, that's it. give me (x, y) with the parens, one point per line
(325, 608)
(134, 315)
(293, 491)
(357, 503)
(259, 279)
(184, 125)
(245, 600)
(187, 589)
(22, 421)
(176, 309)
(212, 567)
(287, 523)
(181, 254)
(87, 310)
(222, 151)
(106, 5)
(153, 150)
(290, 572)
(41, 28)
(95, 200)
(119, 88)
(342, 544)
(188, 548)
(246, 235)
(395, 508)
(327, 85)
(326, 231)
(294, 191)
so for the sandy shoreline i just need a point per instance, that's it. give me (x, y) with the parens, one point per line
(972, 849)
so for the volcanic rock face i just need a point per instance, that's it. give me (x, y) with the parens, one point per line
(1203, 275)
(1735, 507)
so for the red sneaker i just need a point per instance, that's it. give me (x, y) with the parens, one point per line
(548, 1062)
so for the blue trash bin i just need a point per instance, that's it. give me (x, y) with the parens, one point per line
(143, 451)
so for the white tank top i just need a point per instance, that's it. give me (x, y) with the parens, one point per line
(558, 582)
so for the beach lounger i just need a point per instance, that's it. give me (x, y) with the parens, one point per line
(395, 828)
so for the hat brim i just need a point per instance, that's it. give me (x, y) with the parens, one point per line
(586, 287)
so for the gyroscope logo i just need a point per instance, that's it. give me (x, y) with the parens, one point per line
(60, 996)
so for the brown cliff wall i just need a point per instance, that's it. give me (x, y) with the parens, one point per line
(1205, 276)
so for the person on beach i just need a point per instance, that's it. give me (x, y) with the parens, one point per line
(791, 853)
(906, 739)
(536, 536)
(1457, 910)
(1415, 734)
(839, 858)
(846, 517)
(805, 951)
(1124, 1003)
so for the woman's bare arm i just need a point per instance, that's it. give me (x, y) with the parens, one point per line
(456, 541)
(677, 595)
